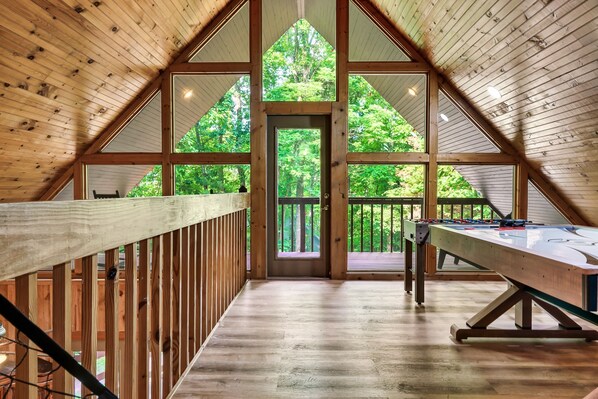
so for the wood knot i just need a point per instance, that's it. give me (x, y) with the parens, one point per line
(112, 272)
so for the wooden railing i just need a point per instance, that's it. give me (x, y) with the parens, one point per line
(184, 262)
(375, 224)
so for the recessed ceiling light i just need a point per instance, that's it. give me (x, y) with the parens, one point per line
(493, 91)
(412, 92)
(188, 94)
(444, 117)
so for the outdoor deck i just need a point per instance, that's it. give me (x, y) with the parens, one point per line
(380, 262)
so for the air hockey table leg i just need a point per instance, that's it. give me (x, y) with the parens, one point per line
(408, 283)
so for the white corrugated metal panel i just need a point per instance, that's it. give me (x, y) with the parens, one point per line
(143, 133)
(367, 42)
(231, 43)
(106, 179)
(67, 193)
(494, 182)
(458, 133)
(539, 210)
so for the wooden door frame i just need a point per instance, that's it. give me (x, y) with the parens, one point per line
(301, 266)
(338, 180)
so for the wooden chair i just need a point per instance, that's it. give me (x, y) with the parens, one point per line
(104, 196)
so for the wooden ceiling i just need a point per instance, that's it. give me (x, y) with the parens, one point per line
(68, 68)
(543, 58)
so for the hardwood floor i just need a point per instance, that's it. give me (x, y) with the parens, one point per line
(358, 339)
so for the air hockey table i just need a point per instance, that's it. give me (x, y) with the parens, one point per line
(417, 232)
(554, 266)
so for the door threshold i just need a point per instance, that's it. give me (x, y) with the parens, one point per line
(306, 278)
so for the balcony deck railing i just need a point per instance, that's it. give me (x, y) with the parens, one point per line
(184, 262)
(374, 224)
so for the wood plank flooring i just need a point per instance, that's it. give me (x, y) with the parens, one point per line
(367, 339)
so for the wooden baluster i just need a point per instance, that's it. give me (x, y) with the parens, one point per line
(26, 300)
(244, 253)
(176, 306)
(233, 253)
(144, 319)
(204, 282)
(198, 291)
(167, 315)
(233, 256)
(62, 323)
(216, 272)
(221, 267)
(89, 319)
(111, 299)
(210, 274)
(224, 252)
(184, 343)
(156, 341)
(131, 305)
(192, 293)
(234, 245)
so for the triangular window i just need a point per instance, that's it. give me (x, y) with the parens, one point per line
(387, 113)
(211, 113)
(300, 66)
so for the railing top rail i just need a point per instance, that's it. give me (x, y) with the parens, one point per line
(37, 235)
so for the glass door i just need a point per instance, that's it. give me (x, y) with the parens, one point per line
(298, 196)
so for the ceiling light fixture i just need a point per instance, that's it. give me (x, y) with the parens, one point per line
(493, 91)
(444, 117)
(2, 331)
(188, 94)
(412, 92)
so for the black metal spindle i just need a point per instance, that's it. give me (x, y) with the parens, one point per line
(312, 228)
(381, 228)
(361, 226)
(391, 228)
(292, 228)
(352, 228)
(282, 228)
(371, 227)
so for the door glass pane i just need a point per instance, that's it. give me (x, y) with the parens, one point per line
(298, 192)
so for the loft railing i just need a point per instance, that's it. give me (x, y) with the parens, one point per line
(374, 224)
(184, 262)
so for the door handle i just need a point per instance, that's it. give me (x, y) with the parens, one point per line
(325, 207)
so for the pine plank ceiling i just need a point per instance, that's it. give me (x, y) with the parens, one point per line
(68, 68)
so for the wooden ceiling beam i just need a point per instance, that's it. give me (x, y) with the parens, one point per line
(215, 68)
(380, 67)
